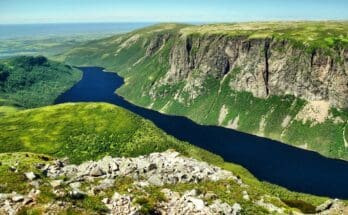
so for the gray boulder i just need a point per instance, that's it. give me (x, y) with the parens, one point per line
(30, 176)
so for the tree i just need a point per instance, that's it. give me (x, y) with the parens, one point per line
(3, 73)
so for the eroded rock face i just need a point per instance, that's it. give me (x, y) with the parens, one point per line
(261, 66)
(156, 43)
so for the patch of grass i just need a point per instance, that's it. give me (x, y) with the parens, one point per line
(5, 110)
(82, 132)
(303, 206)
(11, 180)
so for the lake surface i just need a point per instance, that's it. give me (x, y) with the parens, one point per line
(281, 164)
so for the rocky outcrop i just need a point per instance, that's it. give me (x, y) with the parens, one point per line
(94, 178)
(262, 66)
(155, 169)
(159, 172)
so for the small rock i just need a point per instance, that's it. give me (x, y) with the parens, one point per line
(198, 203)
(121, 204)
(30, 176)
(59, 193)
(96, 172)
(236, 209)
(33, 193)
(106, 184)
(245, 195)
(152, 166)
(59, 163)
(116, 196)
(210, 195)
(193, 192)
(61, 203)
(56, 183)
(5, 196)
(75, 185)
(35, 184)
(325, 206)
(13, 168)
(27, 201)
(17, 198)
(155, 180)
(142, 183)
(106, 200)
(77, 194)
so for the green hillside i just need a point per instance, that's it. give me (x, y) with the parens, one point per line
(82, 132)
(28, 82)
(86, 131)
(182, 70)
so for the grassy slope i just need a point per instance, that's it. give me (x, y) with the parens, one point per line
(82, 132)
(142, 72)
(87, 131)
(313, 35)
(33, 81)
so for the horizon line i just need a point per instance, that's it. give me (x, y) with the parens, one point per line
(179, 22)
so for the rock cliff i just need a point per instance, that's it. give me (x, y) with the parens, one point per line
(263, 67)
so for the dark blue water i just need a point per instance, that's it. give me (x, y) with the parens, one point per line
(290, 167)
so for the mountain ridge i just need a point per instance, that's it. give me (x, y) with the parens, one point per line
(286, 81)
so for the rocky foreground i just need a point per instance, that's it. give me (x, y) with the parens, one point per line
(71, 183)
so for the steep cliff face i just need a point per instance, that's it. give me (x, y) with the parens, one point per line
(286, 81)
(263, 67)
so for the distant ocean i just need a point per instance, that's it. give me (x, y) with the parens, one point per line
(27, 31)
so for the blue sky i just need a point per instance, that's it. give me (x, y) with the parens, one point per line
(61, 11)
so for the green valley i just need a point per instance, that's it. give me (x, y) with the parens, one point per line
(282, 80)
